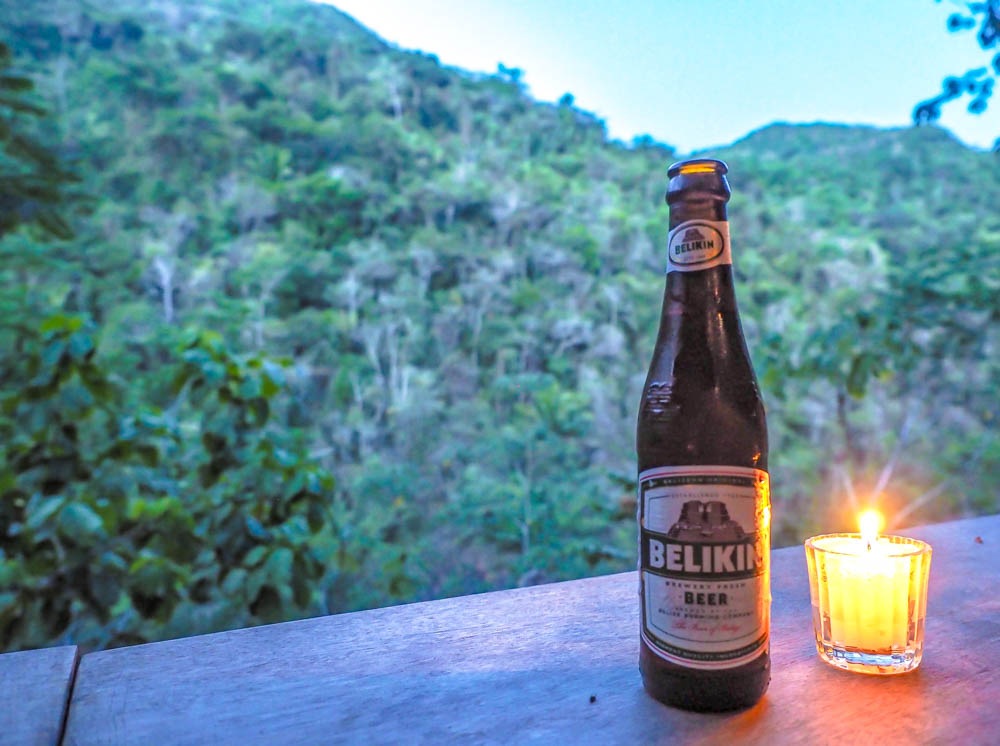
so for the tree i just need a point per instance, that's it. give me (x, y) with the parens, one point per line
(117, 524)
(33, 184)
(977, 83)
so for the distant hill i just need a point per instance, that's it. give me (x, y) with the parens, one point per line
(468, 282)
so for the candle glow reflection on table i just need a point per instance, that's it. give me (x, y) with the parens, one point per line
(869, 597)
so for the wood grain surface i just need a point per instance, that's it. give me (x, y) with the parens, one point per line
(34, 692)
(523, 666)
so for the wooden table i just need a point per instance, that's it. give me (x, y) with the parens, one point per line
(522, 666)
(34, 692)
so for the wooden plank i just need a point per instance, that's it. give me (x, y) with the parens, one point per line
(34, 693)
(521, 666)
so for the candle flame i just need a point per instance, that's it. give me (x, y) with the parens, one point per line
(870, 521)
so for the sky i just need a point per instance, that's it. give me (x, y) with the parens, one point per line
(700, 73)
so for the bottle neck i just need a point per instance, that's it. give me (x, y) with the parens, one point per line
(700, 332)
(709, 291)
(700, 318)
(705, 208)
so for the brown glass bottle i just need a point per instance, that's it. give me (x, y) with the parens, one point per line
(704, 506)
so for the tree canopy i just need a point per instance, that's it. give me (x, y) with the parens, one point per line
(340, 326)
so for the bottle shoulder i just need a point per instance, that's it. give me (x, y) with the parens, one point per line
(701, 403)
(701, 427)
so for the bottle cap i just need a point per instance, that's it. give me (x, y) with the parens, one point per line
(698, 179)
(698, 166)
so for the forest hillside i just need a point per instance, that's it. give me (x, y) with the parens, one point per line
(339, 327)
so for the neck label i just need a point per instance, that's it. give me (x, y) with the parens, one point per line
(698, 244)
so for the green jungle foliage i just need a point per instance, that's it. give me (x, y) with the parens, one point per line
(323, 325)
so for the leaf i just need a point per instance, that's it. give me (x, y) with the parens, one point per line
(78, 520)
(9, 601)
(256, 529)
(278, 567)
(235, 580)
(104, 587)
(80, 345)
(40, 514)
(272, 379)
(135, 508)
(53, 353)
(61, 322)
(114, 561)
(255, 556)
(254, 582)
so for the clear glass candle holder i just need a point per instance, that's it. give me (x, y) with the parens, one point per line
(869, 601)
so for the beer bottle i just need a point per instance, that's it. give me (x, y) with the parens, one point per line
(704, 500)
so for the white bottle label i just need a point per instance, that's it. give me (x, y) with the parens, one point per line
(698, 244)
(704, 564)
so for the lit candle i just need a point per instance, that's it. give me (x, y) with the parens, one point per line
(869, 598)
